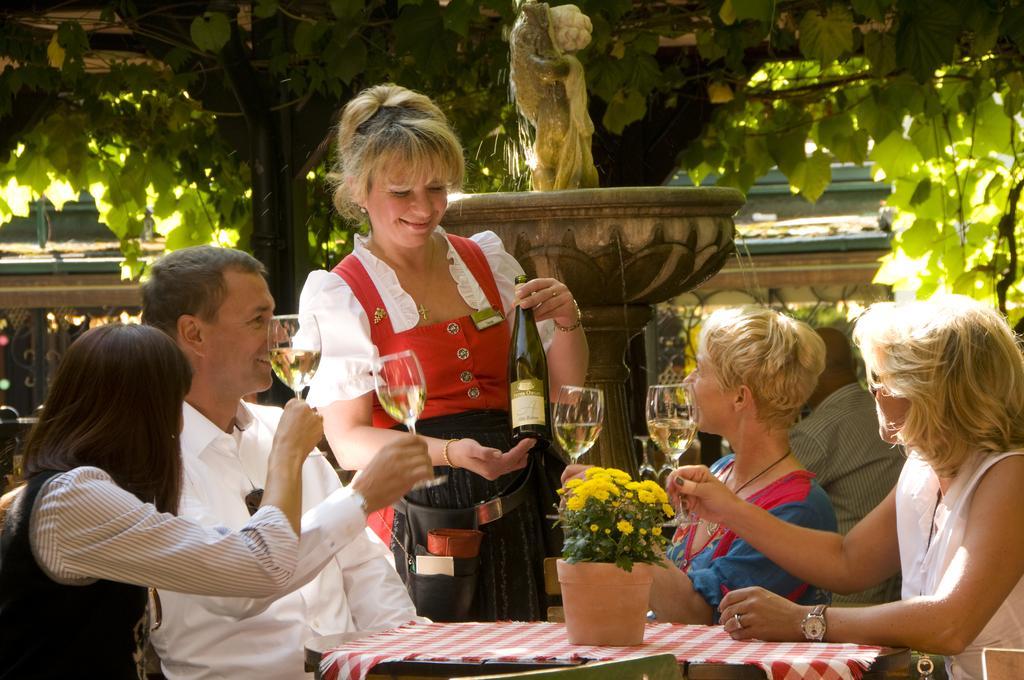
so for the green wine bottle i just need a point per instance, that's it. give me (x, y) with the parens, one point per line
(528, 379)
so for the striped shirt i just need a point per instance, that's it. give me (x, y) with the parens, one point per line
(839, 442)
(85, 527)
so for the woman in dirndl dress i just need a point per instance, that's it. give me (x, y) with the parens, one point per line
(409, 285)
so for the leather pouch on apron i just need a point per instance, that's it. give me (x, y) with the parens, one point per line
(440, 597)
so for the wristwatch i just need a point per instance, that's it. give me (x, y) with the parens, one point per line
(813, 625)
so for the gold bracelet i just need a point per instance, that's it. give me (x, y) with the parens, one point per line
(444, 452)
(579, 320)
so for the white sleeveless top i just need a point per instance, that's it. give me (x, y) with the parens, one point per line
(923, 566)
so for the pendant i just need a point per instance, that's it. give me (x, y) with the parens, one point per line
(379, 315)
(422, 311)
(711, 527)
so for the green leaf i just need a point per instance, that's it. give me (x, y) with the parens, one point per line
(727, 13)
(835, 128)
(306, 36)
(347, 10)
(1013, 25)
(852, 149)
(788, 150)
(458, 14)
(992, 129)
(929, 136)
(825, 38)
(708, 46)
(211, 31)
(926, 38)
(919, 239)
(419, 32)
(895, 155)
(813, 176)
(880, 49)
(263, 9)
(627, 106)
(348, 60)
(758, 10)
(872, 9)
(921, 192)
(32, 170)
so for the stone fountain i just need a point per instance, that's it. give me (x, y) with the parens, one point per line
(620, 250)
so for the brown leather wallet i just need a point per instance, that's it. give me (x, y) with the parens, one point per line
(454, 542)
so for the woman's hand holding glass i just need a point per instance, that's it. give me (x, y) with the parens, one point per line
(672, 418)
(698, 490)
(577, 419)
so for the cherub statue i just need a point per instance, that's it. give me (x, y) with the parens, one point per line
(550, 91)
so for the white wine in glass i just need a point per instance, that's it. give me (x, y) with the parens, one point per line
(402, 392)
(672, 418)
(578, 415)
(294, 342)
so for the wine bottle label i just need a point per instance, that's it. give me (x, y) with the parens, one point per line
(527, 402)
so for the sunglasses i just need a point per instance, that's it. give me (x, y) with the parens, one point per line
(253, 500)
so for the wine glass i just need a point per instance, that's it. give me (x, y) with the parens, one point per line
(646, 471)
(402, 392)
(672, 418)
(577, 419)
(294, 342)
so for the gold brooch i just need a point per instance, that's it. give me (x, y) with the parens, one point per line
(379, 315)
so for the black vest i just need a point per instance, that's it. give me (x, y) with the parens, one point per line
(49, 630)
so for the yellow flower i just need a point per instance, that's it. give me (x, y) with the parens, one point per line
(647, 497)
(573, 483)
(594, 471)
(607, 531)
(594, 527)
(643, 532)
(656, 531)
(633, 486)
(575, 503)
(624, 526)
(667, 509)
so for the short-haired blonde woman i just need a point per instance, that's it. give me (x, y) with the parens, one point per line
(755, 369)
(410, 286)
(948, 381)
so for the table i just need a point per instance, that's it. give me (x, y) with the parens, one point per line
(704, 652)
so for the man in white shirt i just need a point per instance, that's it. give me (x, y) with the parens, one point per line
(215, 303)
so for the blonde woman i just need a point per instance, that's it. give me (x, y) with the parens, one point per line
(948, 381)
(755, 369)
(410, 286)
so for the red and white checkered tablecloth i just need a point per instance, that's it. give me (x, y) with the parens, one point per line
(528, 642)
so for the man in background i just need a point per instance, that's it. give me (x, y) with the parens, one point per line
(839, 442)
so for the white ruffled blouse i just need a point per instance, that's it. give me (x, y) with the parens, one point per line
(347, 351)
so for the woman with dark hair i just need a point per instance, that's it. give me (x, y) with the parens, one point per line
(94, 524)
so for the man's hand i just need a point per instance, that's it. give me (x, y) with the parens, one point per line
(574, 471)
(488, 462)
(298, 432)
(393, 471)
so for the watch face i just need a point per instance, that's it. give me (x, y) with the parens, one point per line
(814, 627)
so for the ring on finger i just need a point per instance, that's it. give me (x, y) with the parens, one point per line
(739, 622)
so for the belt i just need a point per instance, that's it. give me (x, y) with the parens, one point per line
(486, 512)
(496, 508)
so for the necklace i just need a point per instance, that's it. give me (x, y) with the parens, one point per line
(750, 481)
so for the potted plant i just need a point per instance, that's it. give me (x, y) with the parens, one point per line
(613, 535)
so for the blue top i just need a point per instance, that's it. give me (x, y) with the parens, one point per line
(728, 562)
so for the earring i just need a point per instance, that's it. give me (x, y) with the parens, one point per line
(362, 210)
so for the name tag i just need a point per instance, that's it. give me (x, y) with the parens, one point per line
(486, 317)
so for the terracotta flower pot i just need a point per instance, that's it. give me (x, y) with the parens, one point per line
(605, 605)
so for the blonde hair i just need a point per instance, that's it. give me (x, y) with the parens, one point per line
(957, 363)
(776, 356)
(391, 125)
